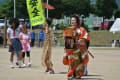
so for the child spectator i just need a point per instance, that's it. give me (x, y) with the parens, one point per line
(25, 40)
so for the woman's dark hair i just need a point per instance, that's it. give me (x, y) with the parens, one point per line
(49, 21)
(14, 20)
(77, 18)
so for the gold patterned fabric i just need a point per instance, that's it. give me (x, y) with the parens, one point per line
(73, 56)
(47, 50)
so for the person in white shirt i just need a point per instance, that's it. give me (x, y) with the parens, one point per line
(13, 41)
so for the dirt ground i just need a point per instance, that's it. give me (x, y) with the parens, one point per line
(105, 66)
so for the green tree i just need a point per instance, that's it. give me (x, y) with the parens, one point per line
(62, 7)
(69, 7)
(105, 8)
(77, 7)
(7, 9)
(117, 13)
(58, 12)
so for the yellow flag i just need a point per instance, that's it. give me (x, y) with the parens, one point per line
(35, 12)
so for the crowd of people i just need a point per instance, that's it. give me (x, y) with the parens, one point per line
(76, 38)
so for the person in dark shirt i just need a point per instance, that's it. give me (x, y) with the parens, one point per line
(41, 38)
(32, 35)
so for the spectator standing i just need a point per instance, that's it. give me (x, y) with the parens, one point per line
(32, 34)
(25, 40)
(13, 41)
(41, 38)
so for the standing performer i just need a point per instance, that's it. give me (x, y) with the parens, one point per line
(46, 55)
(84, 34)
(76, 49)
(13, 41)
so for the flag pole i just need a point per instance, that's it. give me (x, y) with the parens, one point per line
(14, 8)
(47, 9)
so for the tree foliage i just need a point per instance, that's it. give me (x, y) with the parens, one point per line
(81, 7)
(62, 7)
(117, 13)
(69, 7)
(7, 9)
(58, 12)
(105, 8)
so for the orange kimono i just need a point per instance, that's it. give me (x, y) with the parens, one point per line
(76, 53)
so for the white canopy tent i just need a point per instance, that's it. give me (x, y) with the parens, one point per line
(115, 28)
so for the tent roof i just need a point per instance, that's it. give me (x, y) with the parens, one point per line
(116, 26)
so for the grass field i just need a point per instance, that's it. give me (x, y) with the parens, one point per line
(103, 38)
(97, 38)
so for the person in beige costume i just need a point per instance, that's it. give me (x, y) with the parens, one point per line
(46, 55)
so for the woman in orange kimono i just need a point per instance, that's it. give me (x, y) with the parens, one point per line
(76, 49)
